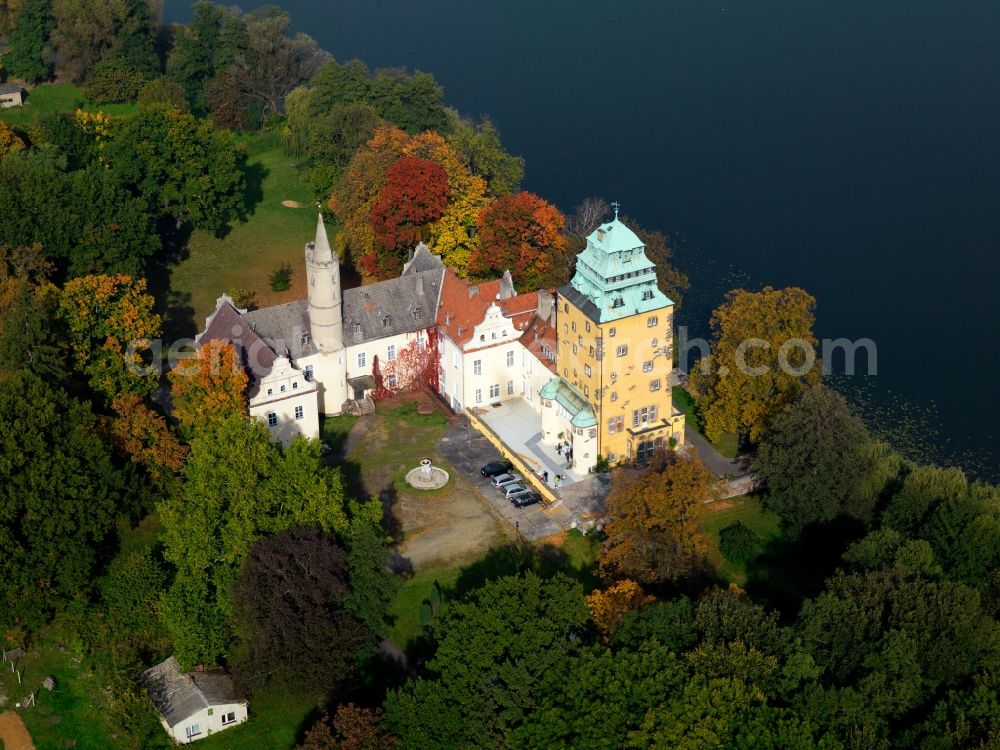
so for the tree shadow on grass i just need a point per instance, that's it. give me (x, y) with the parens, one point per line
(255, 174)
(789, 571)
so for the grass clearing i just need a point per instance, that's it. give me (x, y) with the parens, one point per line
(50, 98)
(722, 513)
(728, 445)
(276, 721)
(249, 253)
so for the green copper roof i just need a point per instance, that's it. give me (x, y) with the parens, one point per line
(581, 415)
(614, 274)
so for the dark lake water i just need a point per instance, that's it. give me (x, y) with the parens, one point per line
(851, 147)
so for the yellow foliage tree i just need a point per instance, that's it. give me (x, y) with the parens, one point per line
(208, 387)
(452, 236)
(609, 607)
(144, 436)
(763, 354)
(9, 140)
(653, 530)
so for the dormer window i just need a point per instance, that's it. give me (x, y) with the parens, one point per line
(482, 337)
(618, 302)
(447, 319)
(460, 331)
(357, 328)
(385, 321)
(647, 294)
(416, 313)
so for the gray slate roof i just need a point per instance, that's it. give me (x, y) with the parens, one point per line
(226, 324)
(284, 327)
(405, 304)
(423, 260)
(178, 696)
(582, 302)
(10, 88)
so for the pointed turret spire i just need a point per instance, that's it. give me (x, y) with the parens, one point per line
(615, 206)
(321, 247)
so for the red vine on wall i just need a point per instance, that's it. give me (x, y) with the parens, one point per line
(414, 368)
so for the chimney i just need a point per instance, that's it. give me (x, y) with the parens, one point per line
(420, 284)
(545, 308)
(506, 286)
(473, 291)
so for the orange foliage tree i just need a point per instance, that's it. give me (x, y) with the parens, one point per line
(521, 233)
(414, 195)
(209, 386)
(609, 607)
(654, 517)
(415, 367)
(143, 435)
(110, 327)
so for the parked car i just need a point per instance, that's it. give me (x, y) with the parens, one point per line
(525, 499)
(501, 480)
(510, 490)
(496, 467)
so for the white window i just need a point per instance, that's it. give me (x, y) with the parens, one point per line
(495, 391)
(228, 718)
(652, 413)
(390, 353)
(272, 419)
(282, 389)
(362, 359)
(309, 373)
(587, 327)
(390, 382)
(586, 390)
(441, 379)
(477, 367)
(510, 358)
(295, 385)
(612, 458)
(654, 385)
(510, 387)
(622, 350)
(193, 731)
(614, 395)
(587, 370)
(612, 332)
(479, 395)
(648, 294)
(615, 424)
(647, 366)
(299, 412)
(651, 321)
(421, 341)
(618, 302)
(454, 359)
(270, 391)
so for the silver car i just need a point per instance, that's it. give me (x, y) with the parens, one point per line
(504, 479)
(513, 490)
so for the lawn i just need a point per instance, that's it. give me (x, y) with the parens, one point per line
(57, 97)
(247, 256)
(722, 513)
(728, 445)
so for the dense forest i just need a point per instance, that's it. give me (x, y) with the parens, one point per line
(871, 621)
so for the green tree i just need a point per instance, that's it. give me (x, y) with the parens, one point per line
(493, 649)
(373, 586)
(89, 31)
(763, 355)
(480, 144)
(28, 336)
(181, 165)
(817, 461)
(114, 81)
(130, 594)
(239, 487)
(28, 53)
(923, 488)
(205, 47)
(59, 497)
(162, 90)
(334, 139)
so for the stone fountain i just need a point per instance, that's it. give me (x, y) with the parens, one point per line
(427, 476)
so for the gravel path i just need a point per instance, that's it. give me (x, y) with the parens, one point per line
(13, 734)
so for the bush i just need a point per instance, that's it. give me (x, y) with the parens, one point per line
(739, 543)
(243, 298)
(163, 91)
(115, 81)
(281, 279)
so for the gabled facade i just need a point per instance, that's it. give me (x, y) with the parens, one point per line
(616, 345)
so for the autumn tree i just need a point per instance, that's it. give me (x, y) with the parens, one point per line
(609, 606)
(239, 487)
(143, 435)
(60, 494)
(9, 140)
(523, 234)
(209, 387)
(350, 728)
(290, 605)
(28, 53)
(110, 326)
(589, 214)
(181, 165)
(414, 195)
(763, 355)
(653, 522)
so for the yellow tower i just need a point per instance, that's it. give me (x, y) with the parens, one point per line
(616, 344)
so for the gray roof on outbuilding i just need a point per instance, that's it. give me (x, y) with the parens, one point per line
(178, 696)
(11, 88)
(401, 305)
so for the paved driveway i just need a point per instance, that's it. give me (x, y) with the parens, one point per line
(468, 451)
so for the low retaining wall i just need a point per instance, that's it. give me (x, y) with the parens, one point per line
(734, 487)
(519, 465)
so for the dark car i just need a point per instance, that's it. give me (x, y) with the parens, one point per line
(496, 467)
(525, 499)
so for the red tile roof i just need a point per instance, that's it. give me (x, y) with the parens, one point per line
(463, 306)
